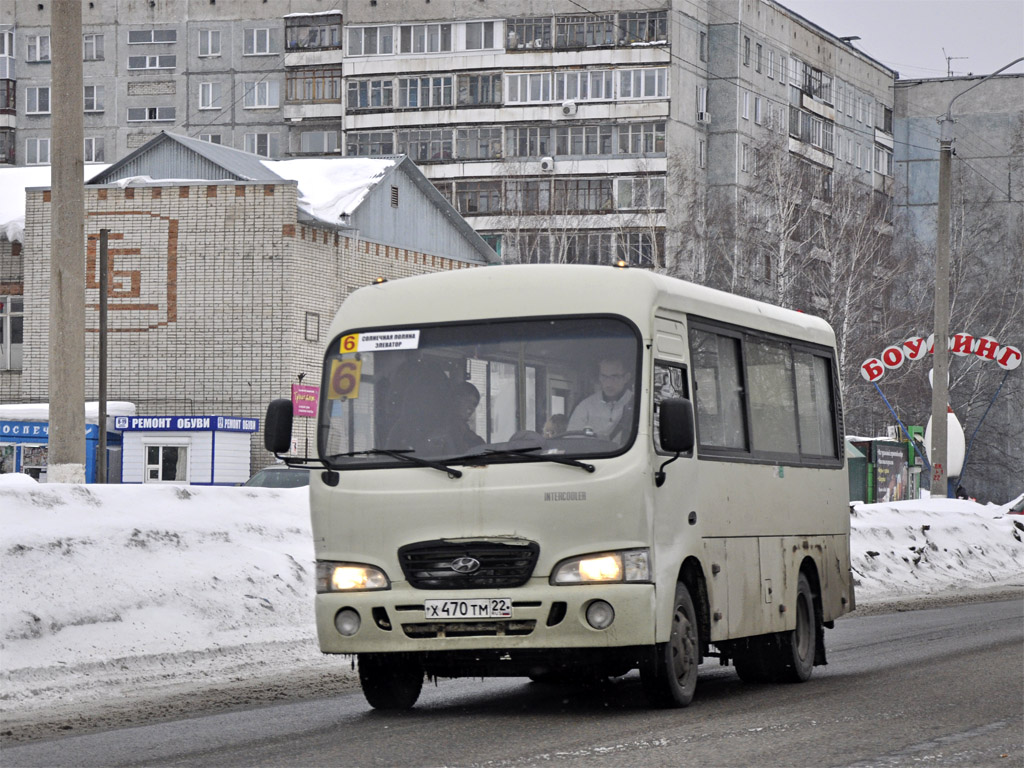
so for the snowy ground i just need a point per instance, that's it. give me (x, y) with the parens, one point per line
(116, 597)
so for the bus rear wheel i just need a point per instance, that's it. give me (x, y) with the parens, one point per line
(795, 659)
(390, 680)
(670, 677)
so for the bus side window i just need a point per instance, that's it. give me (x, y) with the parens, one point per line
(669, 383)
(719, 390)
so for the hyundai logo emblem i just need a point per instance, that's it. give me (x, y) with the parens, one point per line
(465, 565)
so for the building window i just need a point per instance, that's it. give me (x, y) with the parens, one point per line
(421, 92)
(771, 64)
(703, 116)
(528, 141)
(169, 61)
(38, 48)
(643, 27)
(575, 195)
(150, 114)
(583, 140)
(643, 192)
(140, 36)
(209, 42)
(312, 331)
(757, 57)
(262, 144)
(313, 85)
(92, 47)
(478, 196)
(641, 249)
(7, 144)
(641, 138)
(883, 161)
(758, 112)
(369, 94)
(885, 113)
(37, 100)
(37, 151)
(527, 87)
(212, 138)
(745, 161)
(93, 98)
(313, 32)
(532, 32)
(478, 143)
(528, 195)
(318, 142)
(584, 86)
(746, 51)
(647, 83)
(167, 464)
(256, 42)
(12, 320)
(370, 144)
(479, 35)
(94, 150)
(479, 89)
(703, 46)
(262, 94)
(745, 104)
(370, 41)
(429, 145)
(702, 153)
(586, 248)
(425, 38)
(209, 96)
(585, 31)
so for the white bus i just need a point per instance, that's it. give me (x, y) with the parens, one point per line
(653, 475)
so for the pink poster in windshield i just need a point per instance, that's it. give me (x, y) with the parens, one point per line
(304, 399)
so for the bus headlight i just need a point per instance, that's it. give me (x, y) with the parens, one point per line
(632, 565)
(349, 577)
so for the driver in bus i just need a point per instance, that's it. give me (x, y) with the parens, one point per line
(607, 411)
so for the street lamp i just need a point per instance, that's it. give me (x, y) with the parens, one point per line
(940, 362)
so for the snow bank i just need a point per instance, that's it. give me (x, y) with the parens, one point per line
(106, 591)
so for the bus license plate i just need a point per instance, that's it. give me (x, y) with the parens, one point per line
(478, 608)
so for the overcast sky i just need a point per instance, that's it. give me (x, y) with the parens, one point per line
(910, 35)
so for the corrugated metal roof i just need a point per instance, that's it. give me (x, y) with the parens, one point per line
(170, 156)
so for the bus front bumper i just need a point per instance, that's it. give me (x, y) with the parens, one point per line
(542, 617)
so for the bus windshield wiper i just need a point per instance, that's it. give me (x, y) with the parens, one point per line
(405, 454)
(528, 453)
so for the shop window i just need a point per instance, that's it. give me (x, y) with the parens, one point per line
(166, 464)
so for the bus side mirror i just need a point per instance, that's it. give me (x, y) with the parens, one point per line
(675, 425)
(277, 429)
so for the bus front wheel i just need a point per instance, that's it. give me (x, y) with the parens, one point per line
(390, 681)
(670, 676)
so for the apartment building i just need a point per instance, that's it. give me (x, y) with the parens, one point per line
(562, 131)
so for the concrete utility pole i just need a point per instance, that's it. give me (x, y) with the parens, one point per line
(940, 363)
(66, 460)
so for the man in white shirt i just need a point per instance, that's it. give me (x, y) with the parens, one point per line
(604, 411)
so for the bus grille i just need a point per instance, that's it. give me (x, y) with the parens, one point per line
(432, 564)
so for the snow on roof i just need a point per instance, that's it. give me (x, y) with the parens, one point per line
(41, 411)
(333, 187)
(335, 12)
(14, 180)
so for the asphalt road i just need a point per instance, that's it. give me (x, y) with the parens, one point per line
(940, 687)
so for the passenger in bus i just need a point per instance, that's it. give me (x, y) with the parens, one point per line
(465, 401)
(557, 425)
(607, 411)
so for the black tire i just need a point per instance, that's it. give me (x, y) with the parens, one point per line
(670, 677)
(796, 655)
(390, 681)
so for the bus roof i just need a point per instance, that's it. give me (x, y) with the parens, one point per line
(523, 290)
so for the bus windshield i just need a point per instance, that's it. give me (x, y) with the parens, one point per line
(495, 390)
